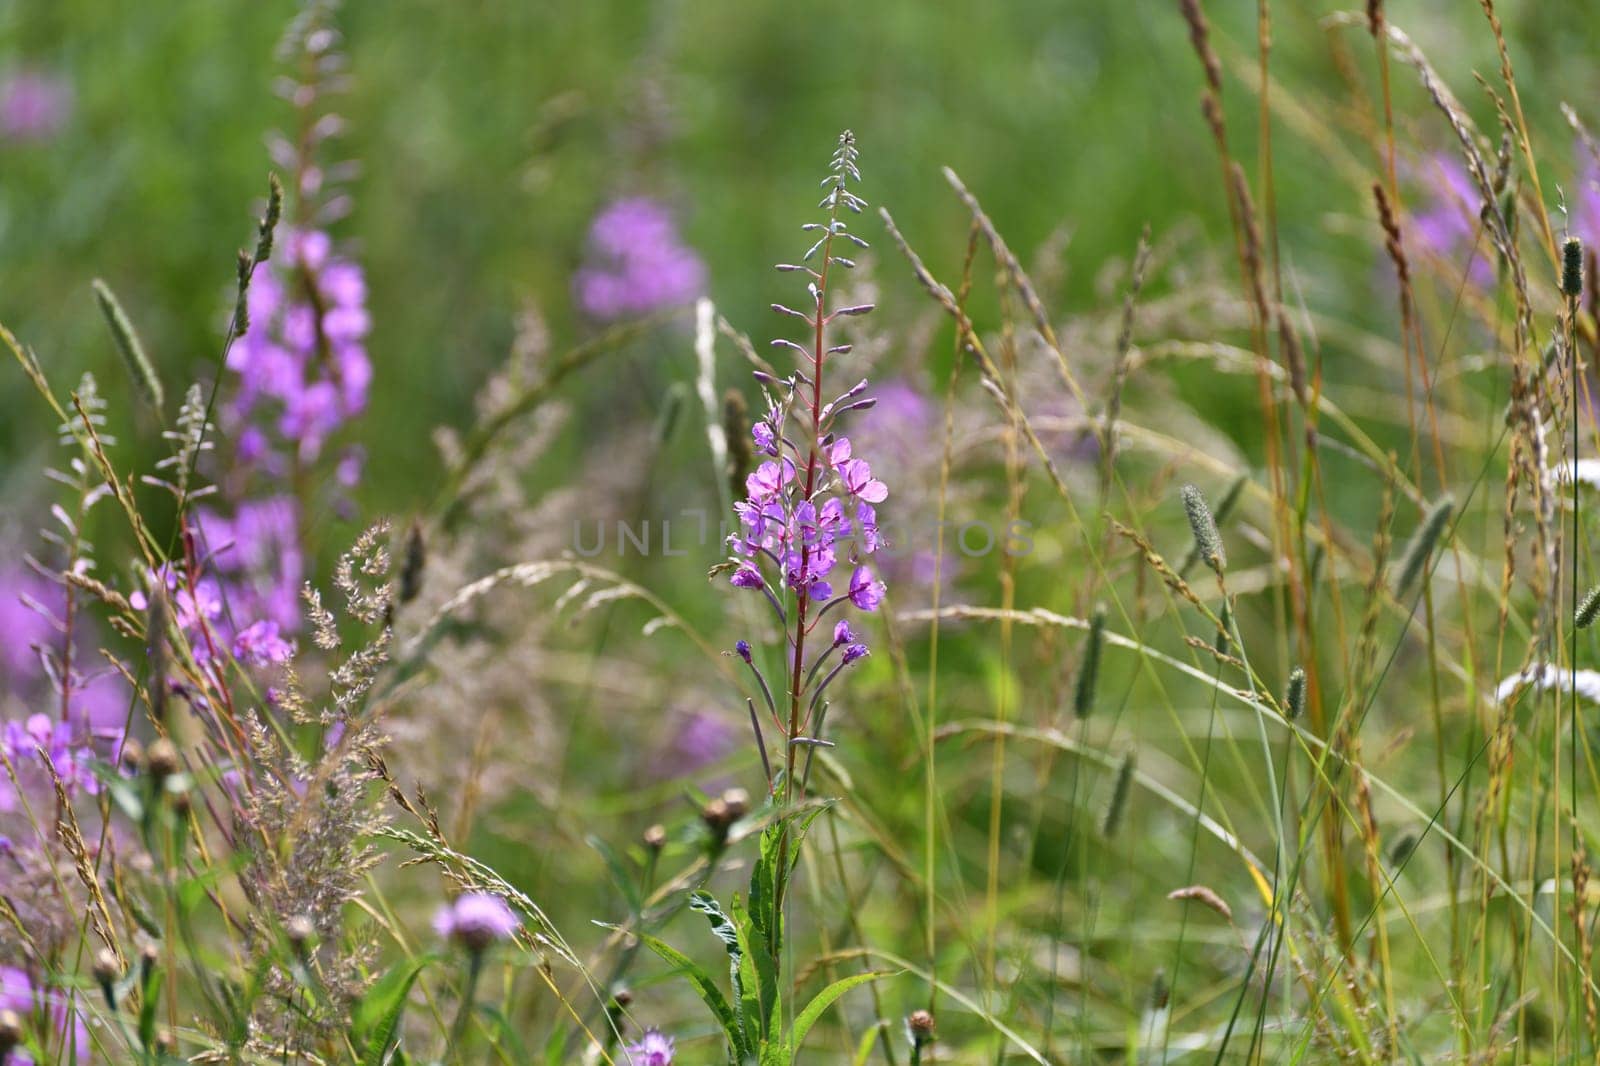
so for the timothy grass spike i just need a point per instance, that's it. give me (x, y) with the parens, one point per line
(144, 375)
(1572, 267)
(1119, 797)
(1422, 544)
(1089, 670)
(1207, 540)
(1294, 697)
(1588, 609)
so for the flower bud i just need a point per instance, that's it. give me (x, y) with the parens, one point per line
(161, 760)
(655, 838)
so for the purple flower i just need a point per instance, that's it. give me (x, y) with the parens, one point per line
(34, 105)
(18, 995)
(698, 739)
(743, 649)
(637, 263)
(653, 1049)
(800, 510)
(1446, 226)
(304, 355)
(858, 481)
(259, 644)
(768, 480)
(475, 920)
(25, 618)
(866, 592)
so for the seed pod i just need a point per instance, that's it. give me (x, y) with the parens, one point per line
(1207, 541)
(1089, 670)
(1423, 543)
(122, 332)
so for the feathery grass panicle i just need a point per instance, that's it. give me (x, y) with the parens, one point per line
(1423, 542)
(1120, 789)
(1083, 690)
(128, 344)
(1207, 540)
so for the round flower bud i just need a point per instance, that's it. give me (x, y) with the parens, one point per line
(921, 1025)
(737, 801)
(106, 967)
(162, 759)
(132, 756)
(300, 932)
(655, 838)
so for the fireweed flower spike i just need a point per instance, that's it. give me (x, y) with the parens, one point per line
(808, 516)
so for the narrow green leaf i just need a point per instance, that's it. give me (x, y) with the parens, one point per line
(376, 1019)
(619, 874)
(710, 994)
(822, 1001)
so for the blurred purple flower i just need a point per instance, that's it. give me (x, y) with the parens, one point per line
(699, 739)
(259, 644)
(475, 920)
(305, 352)
(18, 995)
(655, 1048)
(257, 553)
(24, 597)
(1585, 202)
(1446, 224)
(34, 105)
(637, 264)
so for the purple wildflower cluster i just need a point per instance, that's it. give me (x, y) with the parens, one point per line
(20, 996)
(654, 1048)
(809, 524)
(638, 263)
(304, 358)
(1447, 224)
(301, 371)
(41, 742)
(32, 610)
